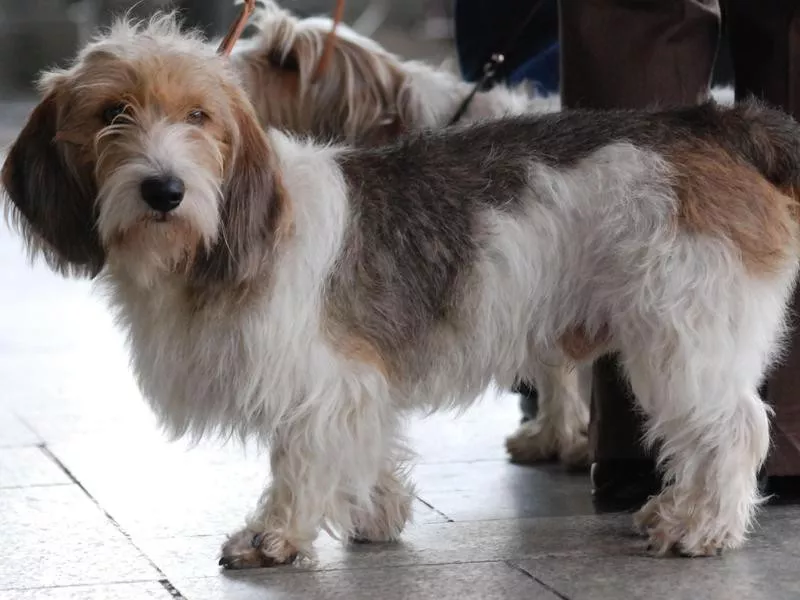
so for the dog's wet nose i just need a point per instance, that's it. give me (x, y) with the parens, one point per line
(162, 193)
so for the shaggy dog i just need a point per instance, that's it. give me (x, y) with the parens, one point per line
(312, 295)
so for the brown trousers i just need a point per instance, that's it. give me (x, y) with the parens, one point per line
(638, 53)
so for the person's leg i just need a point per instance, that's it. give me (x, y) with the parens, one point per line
(623, 473)
(622, 54)
(765, 50)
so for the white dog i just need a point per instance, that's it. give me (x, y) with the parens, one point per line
(312, 295)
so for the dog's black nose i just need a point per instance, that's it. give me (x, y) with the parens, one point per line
(163, 193)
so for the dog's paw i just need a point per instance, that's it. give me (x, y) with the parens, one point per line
(575, 453)
(532, 442)
(536, 442)
(384, 525)
(687, 527)
(248, 549)
(390, 512)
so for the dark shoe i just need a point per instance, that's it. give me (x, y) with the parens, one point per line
(623, 485)
(529, 400)
(781, 490)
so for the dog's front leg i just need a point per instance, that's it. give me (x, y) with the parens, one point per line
(344, 472)
(288, 516)
(389, 509)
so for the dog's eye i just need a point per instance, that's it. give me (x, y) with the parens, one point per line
(112, 111)
(285, 62)
(196, 117)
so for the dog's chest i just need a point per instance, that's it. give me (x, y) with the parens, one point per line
(186, 356)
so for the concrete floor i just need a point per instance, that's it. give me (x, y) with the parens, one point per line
(96, 504)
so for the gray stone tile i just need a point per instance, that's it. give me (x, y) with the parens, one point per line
(476, 541)
(81, 388)
(93, 413)
(478, 434)
(771, 529)
(27, 466)
(157, 489)
(154, 488)
(464, 542)
(13, 432)
(56, 536)
(117, 591)
(188, 556)
(480, 581)
(499, 490)
(749, 574)
(62, 361)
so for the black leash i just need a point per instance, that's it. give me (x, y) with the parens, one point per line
(492, 66)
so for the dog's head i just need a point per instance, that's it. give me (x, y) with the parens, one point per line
(363, 95)
(145, 154)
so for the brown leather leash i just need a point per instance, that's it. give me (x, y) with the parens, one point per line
(327, 51)
(236, 28)
(249, 6)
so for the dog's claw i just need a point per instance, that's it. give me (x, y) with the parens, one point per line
(234, 563)
(245, 550)
(227, 562)
(360, 540)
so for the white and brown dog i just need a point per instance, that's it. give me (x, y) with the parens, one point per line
(313, 295)
(367, 96)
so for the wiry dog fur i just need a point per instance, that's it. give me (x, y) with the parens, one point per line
(313, 295)
(368, 95)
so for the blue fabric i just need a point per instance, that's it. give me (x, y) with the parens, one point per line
(484, 27)
(542, 70)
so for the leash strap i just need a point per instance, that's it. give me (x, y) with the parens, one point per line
(330, 40)
(236, 28)
(492, 66)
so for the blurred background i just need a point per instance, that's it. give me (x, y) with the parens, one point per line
(35, 34)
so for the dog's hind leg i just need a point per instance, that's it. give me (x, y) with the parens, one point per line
(695, 369)
(559, 430)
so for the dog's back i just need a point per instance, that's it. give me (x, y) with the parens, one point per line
(578, 192)
(767, 138)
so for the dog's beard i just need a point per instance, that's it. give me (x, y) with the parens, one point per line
(153, 247)
(145, 243)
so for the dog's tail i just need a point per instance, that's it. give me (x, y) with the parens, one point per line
(768, 139)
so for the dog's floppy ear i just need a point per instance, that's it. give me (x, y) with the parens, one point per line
(251, 206)
(52, 197)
